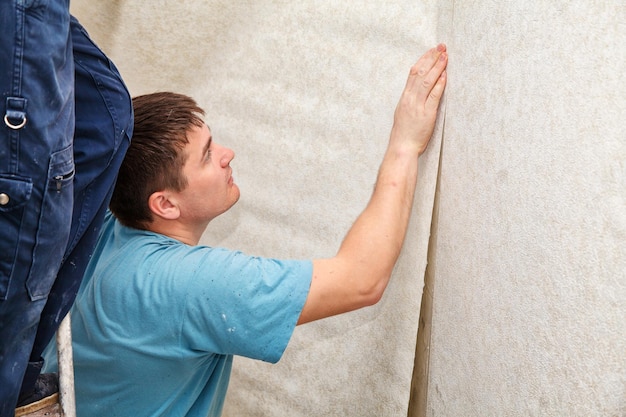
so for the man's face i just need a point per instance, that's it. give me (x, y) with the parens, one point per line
(210, 187)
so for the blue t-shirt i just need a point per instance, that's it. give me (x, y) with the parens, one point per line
(157, 322)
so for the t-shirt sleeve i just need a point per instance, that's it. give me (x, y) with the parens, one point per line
(241, 305)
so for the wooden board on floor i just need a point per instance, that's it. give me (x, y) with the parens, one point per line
(48, 407)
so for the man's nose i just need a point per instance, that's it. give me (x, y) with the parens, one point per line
(227, 156)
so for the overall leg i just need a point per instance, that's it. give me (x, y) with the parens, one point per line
(104, 121)
(36, 173)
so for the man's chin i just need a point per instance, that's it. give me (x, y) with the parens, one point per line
(237, 194)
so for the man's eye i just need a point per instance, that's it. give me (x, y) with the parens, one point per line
(207, 156)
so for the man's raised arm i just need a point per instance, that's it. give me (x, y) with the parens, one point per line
(358, 275)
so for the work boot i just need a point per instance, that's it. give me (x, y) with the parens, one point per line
(46, 386)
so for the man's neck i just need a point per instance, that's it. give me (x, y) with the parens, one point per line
(187, 234)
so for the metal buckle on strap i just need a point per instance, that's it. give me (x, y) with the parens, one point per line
(14, 126)
(15, 117)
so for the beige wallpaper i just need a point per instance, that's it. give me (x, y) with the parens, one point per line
(530, 277)
(527, 255)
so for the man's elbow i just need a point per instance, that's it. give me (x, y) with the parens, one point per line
(372, 294)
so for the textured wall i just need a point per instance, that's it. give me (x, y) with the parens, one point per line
(527, 258)
(529, 291)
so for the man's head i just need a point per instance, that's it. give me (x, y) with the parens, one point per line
(172, 170)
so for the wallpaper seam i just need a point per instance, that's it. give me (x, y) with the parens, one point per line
(419, 381)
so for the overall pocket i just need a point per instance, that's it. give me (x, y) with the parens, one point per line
(54, 224)
(15, 192)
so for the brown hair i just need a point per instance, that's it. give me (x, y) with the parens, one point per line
(155, 157)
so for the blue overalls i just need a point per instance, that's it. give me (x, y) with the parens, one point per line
(67, 122)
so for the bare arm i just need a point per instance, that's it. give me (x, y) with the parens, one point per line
(358, 275)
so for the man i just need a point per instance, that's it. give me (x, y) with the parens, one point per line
(159, 318)
(67, 123)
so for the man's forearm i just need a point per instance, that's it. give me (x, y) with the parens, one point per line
(375, 240)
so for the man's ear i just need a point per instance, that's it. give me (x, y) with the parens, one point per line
(163, 204)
